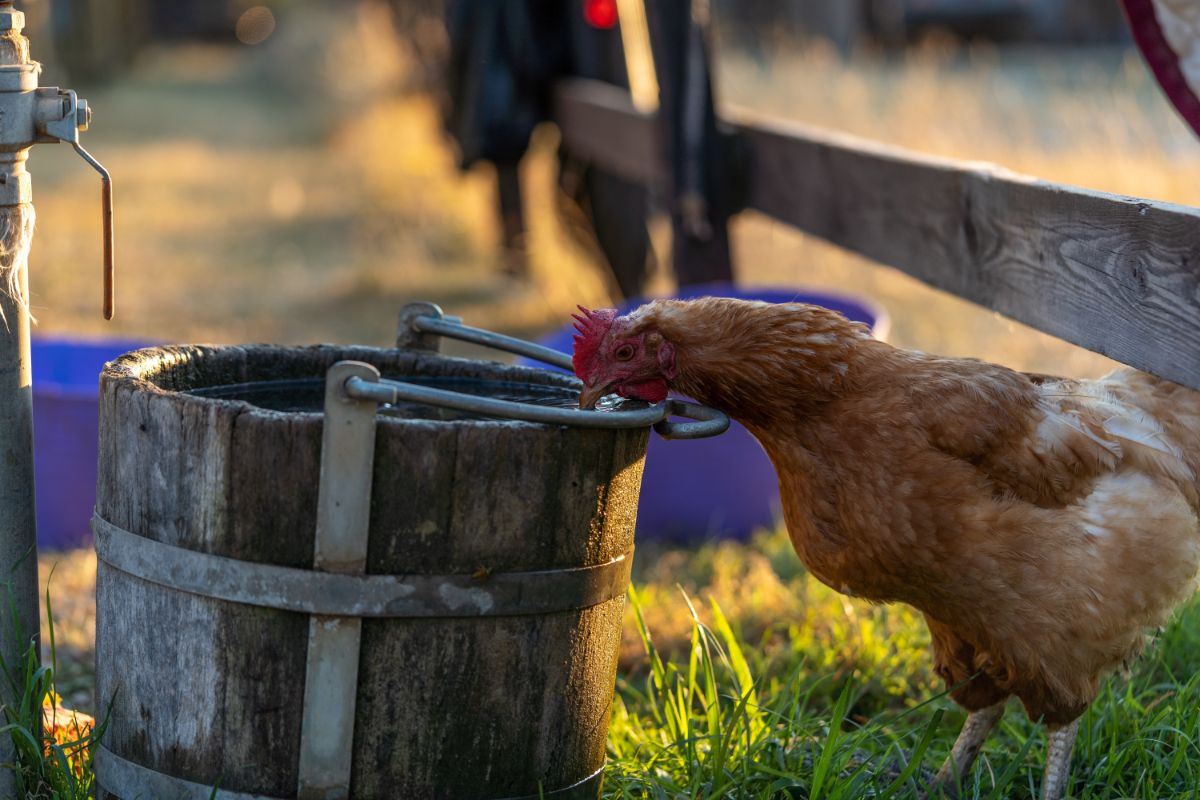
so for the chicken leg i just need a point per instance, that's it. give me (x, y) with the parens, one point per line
(966, 747)
(1061, 740)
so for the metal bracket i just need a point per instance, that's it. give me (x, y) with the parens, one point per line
(408, 337)
(343, 517)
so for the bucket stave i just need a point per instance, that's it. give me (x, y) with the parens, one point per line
(209, 691)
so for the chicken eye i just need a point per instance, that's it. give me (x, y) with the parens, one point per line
(624, 352)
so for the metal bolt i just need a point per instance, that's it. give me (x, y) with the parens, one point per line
(83, 115)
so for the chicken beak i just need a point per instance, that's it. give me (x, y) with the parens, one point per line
(591, 395)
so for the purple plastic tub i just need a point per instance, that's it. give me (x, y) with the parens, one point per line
(66, 381)
(724, 486)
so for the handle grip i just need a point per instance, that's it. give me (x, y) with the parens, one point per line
(706, 422)
(106, 218)
(61, 119)
(391, 391)
(106, 211)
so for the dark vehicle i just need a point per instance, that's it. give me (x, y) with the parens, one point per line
(505, 58)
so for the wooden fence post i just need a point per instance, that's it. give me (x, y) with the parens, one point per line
(697, 186)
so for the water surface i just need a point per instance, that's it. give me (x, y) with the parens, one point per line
(308, 395)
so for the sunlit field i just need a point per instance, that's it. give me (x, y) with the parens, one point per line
(259, 201)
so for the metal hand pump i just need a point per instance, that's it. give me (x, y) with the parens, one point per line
(29, 114)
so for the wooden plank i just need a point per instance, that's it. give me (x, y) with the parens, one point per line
(1117, 275)
(600, 124)
(449, 706)
(690, 145)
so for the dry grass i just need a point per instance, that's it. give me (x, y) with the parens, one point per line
(249, 212)
(1088, 118)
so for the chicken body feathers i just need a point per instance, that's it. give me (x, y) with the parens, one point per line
(1041, 524)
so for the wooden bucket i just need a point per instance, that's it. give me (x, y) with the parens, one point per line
(206, 607)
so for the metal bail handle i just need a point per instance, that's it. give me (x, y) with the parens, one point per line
(708, 422)
(418, 319)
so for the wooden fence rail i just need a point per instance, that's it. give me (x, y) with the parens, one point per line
(1117, 275)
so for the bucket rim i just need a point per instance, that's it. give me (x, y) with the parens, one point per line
(133, 370)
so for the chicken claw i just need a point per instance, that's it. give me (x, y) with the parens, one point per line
(966, 747)
(1058, 760)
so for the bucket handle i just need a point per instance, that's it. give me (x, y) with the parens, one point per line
(705, 421)
(420, 320)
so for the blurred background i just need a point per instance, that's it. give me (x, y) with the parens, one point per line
(294, 171)
(283, 170)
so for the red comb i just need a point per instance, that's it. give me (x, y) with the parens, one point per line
(592, 327)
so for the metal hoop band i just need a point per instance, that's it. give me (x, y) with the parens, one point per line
(120, 776)
(129, 780)
(350, 595)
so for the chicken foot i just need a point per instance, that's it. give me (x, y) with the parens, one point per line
(1061, 740)
(966, 747)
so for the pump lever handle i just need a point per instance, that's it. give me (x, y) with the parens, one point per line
(106, 211)
(61, 119)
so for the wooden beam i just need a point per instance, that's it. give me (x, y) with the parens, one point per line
(598, 123)
(698, 175)
(1117, 275)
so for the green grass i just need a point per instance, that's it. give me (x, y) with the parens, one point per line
(55, 761)
(726, 717)
(743, 677)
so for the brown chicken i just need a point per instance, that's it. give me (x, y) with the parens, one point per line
(1042, 525)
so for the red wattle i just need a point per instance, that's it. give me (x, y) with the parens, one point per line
(651, 391)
